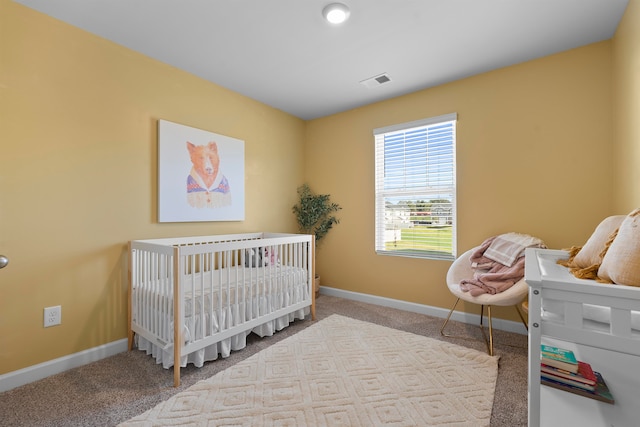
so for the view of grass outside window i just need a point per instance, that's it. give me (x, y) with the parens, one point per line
(415, 189)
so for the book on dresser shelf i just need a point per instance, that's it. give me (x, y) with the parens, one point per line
(601, 391)
(558, 358)
(567, 381)
(584, 375)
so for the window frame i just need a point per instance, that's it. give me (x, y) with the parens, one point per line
(412, 191)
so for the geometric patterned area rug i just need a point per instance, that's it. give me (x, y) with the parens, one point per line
(341, 372)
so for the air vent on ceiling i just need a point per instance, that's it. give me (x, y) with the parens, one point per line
(376, 80)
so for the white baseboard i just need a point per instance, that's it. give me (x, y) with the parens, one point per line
(504, 325)
(37, 372)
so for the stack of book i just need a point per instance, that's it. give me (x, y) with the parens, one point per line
(560, 369)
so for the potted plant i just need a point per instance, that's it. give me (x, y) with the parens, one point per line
(315, 215)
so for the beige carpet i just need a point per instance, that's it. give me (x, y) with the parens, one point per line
(341, 372)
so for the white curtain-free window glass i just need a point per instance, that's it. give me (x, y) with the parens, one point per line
(416, 189)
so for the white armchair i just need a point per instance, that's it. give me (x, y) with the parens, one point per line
(460, 270)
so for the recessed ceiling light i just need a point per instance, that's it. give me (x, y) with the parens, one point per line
(336, 13)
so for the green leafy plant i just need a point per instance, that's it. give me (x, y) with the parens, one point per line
(315, 212)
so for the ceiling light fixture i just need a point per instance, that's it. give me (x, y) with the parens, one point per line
(336, 13)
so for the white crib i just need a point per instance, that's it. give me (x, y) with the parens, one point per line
(601, 324)
(219, 289)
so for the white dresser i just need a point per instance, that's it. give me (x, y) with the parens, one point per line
(600, 323)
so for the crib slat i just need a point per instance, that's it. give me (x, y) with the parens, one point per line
(178, 315)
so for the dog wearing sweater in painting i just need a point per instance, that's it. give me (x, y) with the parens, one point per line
(207, 187)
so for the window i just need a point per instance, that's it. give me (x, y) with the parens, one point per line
(416, 188)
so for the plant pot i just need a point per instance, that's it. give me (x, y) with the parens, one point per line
(316, 284)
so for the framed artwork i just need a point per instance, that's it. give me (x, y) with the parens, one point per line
(200, 175)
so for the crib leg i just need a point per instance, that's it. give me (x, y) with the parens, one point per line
(176, 374)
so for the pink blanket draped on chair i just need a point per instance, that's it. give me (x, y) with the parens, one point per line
(491, 276)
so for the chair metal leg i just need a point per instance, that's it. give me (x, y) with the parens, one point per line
(524, 322)
(447, 319)
(490, 331)
(487, 340)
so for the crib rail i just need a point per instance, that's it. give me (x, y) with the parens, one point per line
(216, 287)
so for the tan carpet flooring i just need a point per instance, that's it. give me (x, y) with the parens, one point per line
(116, 389)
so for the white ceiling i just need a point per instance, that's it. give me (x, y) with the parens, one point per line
(282, 52)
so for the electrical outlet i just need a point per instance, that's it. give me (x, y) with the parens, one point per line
(52, 316)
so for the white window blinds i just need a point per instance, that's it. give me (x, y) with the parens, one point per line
(415, 188)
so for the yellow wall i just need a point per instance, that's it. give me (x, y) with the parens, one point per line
(626, 110)
(533, 153)
(78, 171)
(78, 176)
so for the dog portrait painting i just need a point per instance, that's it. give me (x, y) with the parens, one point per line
(198, 172)
(207, 187)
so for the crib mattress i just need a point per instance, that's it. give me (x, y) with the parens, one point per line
(226, 287)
